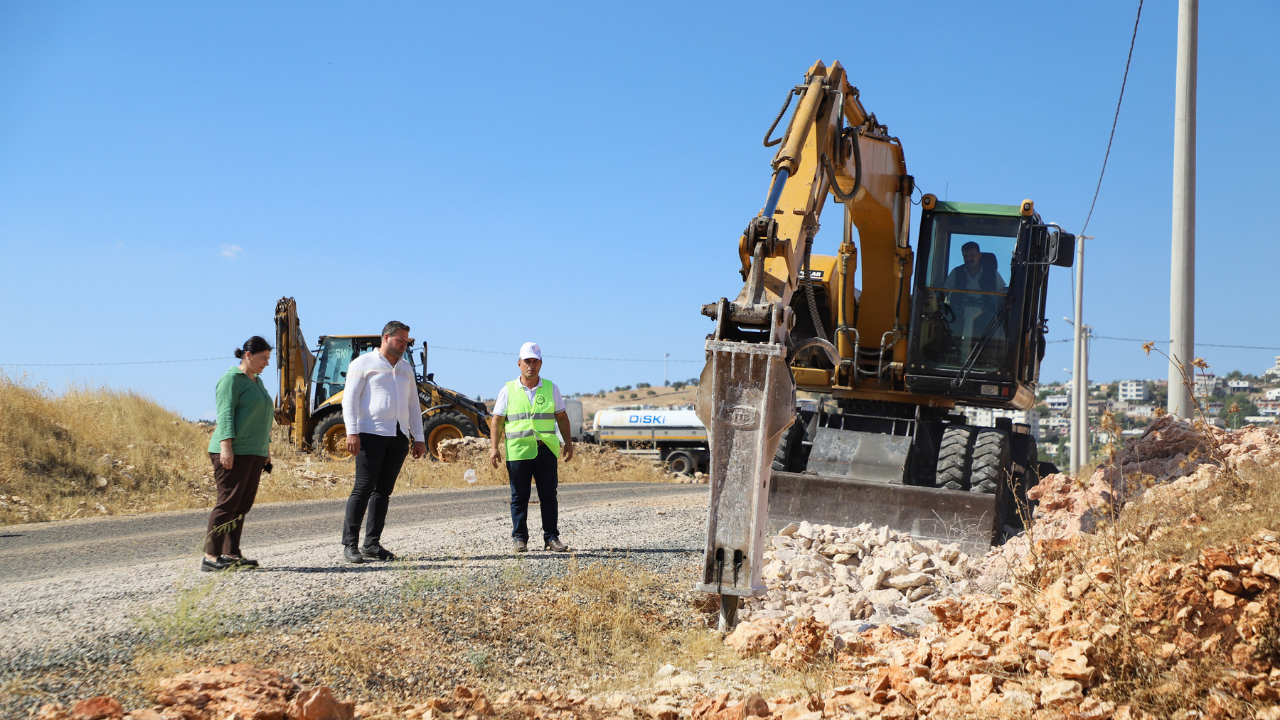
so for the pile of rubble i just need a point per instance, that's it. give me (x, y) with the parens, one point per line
(465, 449)
(843, 577)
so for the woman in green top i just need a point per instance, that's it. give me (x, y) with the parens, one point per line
(240, 449)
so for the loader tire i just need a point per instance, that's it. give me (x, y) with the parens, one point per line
(330, 436)
(445, 425)
(990, 466)
(955, 457)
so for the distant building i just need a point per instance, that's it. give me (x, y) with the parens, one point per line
(1054, 422)
(1269, 407)
(986, 417)
(1058, 403)
(1207, 385)
(1260, 420)
(1273, 394)
(1134, 391)
(1275, 371)
(1238, 386)
(1141, 411)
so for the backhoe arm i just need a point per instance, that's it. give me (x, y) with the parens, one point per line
(295, 363)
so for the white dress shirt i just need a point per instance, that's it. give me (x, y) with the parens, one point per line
(500, 405)
(379, 395)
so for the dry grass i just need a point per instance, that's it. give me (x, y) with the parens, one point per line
(97, 451)
(600, 627)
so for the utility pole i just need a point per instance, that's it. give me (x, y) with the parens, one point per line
(1182, 279)
(1084, 398)
(1079, 419)
(666, 358)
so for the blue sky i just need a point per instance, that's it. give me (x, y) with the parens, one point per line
(577, 175)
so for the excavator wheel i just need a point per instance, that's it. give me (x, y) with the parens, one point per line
(788, 456)
(990, 465)
(446, 425)
(955, 458)
(331, 436)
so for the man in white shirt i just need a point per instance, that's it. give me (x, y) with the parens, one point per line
(379, 406)
(525, 417)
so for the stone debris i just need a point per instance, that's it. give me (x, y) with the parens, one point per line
(845, 577)
(463, 449)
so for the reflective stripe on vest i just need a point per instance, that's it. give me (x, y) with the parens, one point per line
(527, 424)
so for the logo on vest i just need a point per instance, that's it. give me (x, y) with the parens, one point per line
(540, 401)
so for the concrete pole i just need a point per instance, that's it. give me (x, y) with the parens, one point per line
(1077, 422)
(1182, 279)
(1084, 397)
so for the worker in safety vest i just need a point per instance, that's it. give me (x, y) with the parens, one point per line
(527, 411)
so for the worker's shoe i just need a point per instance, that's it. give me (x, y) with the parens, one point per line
(377, 552)
(207, 565)
(554, 545)
(240, 562)
(519, 546)
(351, 554)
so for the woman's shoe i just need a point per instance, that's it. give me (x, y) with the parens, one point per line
(238, 562)
(222, 563)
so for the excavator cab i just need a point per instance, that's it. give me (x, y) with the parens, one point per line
(978, 307)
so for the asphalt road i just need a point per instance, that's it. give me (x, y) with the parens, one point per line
(62, 549)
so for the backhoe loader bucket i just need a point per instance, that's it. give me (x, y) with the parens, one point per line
(746, 398)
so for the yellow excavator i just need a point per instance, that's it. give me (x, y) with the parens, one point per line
(311, 385)
(959, 320)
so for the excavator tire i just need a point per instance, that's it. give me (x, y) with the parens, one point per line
(990, 461)
(787, 457)
(954, 457)
(330, 435)
(445, 425)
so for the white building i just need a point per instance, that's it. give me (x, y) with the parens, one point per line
(1207, 384)
(1273, 394)
(1275, 371)
(1140, 411)
(1134, 391)
(986, 417)
(1238, 386)
(1260, 420)
(1269, 407)
(1058, 403)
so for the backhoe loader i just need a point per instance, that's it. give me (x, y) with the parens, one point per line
(311, 388)
(959, 319)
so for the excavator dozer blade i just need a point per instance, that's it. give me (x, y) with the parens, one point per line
(926, 513)
(745, 398)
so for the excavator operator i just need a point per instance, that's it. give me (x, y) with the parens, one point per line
(972, 284)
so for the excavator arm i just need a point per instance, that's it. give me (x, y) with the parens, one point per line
(746, 395)
(295, 363)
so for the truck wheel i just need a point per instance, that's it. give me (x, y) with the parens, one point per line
(331, 436)
(954, 457)
(681, 463)
(446, 425)
(990, 461)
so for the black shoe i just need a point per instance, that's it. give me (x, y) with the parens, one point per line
(519, 546)
(240, 562)
(377, 552)
(351, 555)
(207, 565)
(555, 545)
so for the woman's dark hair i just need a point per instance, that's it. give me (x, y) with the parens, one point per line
(254, 344)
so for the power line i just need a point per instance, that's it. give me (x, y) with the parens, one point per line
(1114, 120)
(561, 357)
(110, 364)
(1212, 345)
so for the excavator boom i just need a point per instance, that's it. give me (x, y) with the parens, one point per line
(887, 361)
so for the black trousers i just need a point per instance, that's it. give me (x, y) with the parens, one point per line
(237, 489)
(377, 467)
(541, 470)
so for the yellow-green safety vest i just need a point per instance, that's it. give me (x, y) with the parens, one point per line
(527, 424)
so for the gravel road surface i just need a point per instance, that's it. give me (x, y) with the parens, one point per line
(79, 593)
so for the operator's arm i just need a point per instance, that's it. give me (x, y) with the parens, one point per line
(562, 422)
(496, 425)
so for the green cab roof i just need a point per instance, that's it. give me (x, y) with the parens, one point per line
(978, 208)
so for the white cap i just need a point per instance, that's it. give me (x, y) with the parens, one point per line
(530, 350)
